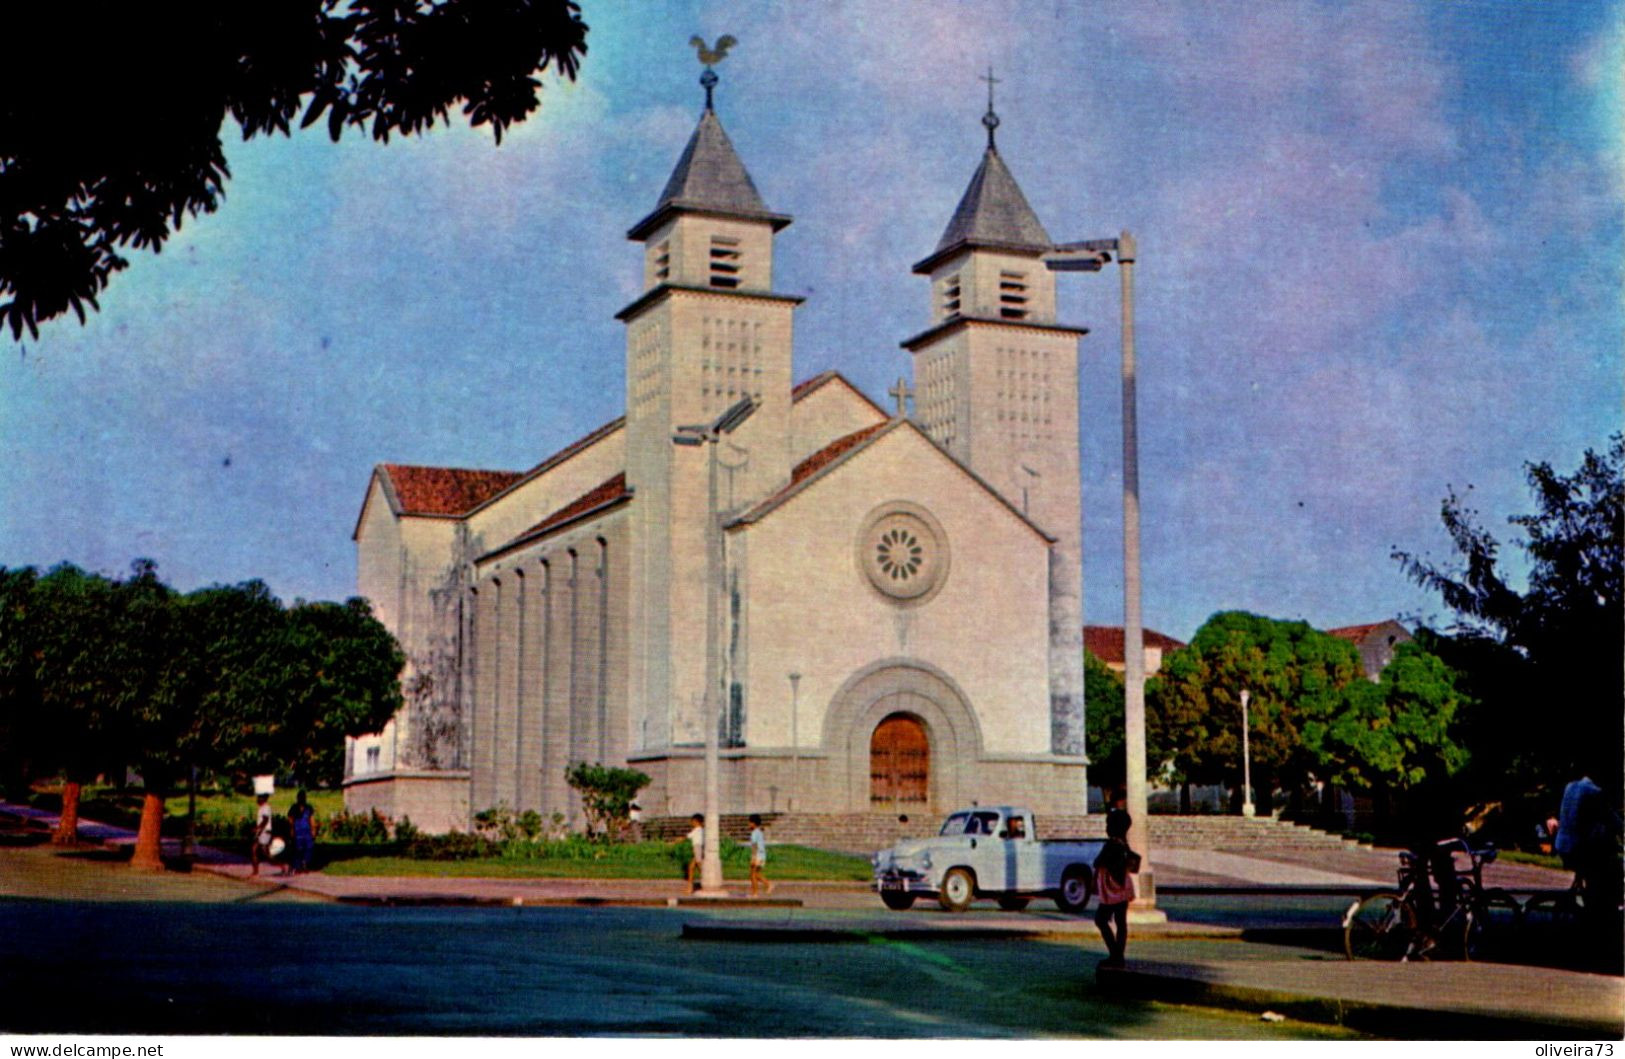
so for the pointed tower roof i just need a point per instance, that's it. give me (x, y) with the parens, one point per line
(993, 213)
(709, 178)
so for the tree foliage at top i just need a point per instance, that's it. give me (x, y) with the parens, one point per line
(1544, 663)
(110, 133)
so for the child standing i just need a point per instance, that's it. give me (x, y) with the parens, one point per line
(758, 856)
(1115, 886)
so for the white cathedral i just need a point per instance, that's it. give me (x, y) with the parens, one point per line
(887, 609)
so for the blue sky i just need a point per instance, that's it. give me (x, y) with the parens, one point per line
(1381, 250)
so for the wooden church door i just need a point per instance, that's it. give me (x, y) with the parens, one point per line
(899, 762)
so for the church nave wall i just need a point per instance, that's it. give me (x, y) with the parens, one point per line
(549, 664)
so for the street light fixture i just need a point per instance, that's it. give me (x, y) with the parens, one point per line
(708, 434)
(1091, 255)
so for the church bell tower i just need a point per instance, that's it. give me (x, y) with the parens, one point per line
(996, 384)
(707, 331)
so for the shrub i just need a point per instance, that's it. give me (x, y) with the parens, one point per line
(606, 796)
(455, 846)
(368, 827)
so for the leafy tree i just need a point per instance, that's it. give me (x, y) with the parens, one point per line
(606, 795)
(1394, 734)
(89, 675)
(1558, 643)
(340, 676)
(20, 715)
(110, 134)
(1299, 679)
(247, 686)
(1103, 695)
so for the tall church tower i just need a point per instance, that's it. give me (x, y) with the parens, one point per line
(996, 383)
(707, 331)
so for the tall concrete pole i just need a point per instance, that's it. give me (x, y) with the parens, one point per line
(711, 859)
(795, 741)
(1139, 838)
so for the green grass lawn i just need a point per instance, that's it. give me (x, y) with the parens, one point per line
(643, 860)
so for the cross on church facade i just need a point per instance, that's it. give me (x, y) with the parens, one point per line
(901, 392)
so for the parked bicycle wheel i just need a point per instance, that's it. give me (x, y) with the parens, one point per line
(1378, 928)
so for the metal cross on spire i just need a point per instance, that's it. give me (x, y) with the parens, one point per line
(710, 57)
(990, 119)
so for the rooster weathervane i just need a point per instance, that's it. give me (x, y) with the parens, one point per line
(710, 57)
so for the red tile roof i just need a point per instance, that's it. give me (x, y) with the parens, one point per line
(1105, 642)
(444, 490)
(1357, 633)
(807, 386)
(600, 496)
(832, 452)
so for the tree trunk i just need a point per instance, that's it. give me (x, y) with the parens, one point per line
(67, 825)
(148, 848)
(1185, 797)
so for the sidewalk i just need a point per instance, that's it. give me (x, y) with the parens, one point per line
(1447, 1001)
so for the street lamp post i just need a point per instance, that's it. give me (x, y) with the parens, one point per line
(795, 741)
(708, 435)
(1247, 808)
(1091, 255)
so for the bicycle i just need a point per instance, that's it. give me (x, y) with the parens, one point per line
(1388, 926)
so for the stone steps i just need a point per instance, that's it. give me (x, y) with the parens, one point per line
(867, 832)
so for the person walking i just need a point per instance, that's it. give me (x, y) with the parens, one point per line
(696, 842)
(261, 847)
(758, 857)
(1114, 886)
(303, 819)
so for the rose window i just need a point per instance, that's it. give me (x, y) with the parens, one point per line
(899, 554)
(903, 552)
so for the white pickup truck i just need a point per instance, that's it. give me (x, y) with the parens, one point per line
(987, 851)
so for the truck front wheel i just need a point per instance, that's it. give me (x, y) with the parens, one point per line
(1075, 891)
(958, 889)
(897, 901)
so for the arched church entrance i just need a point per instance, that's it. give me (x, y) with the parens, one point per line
(901, 739)
(899, 763)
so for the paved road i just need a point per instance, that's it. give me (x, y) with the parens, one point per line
(329, 969)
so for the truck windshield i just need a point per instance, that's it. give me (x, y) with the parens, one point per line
(980, 823)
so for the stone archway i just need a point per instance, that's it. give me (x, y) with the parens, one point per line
(931, 702)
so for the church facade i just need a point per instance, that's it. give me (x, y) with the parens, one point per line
(881, 612)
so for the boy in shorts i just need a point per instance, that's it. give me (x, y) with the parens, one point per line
(758, 856)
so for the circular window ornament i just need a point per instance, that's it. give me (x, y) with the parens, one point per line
(903, 552)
